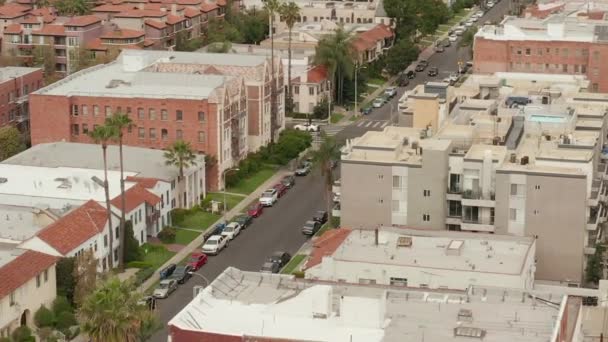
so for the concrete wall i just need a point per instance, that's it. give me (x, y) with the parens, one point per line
(426, 112)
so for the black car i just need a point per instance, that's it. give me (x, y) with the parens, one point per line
(420, 67)
(410, 74)
(244, 220)
(280, 258)
(311, 227)
(167, 271)
(218, 229)
(403, 81)
(366, 111)
(270, 267)
(182, 274)
(321, 216)
(289, 181)
(433, 71)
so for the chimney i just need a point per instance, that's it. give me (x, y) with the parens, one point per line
(376, 236)
(174, 9)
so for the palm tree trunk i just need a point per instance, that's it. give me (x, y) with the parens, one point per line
(328, 192)
(272, 80)
(182, 188)
(121, 237)
(108, 206)
(289, 93)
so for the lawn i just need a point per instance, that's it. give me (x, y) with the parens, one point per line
(231, 200)
(199, 220)
(293, 264)
(155, 255)
(354, 118)
(323, 229)
(336, 117)
(248, 185)
(376, 81)
(184, 237)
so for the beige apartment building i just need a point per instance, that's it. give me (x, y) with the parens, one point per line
(533, 171)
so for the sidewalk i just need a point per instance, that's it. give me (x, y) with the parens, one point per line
(196, 243)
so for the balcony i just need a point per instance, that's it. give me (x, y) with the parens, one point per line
(596, 189)
(152, 217)
(478, 224)
(475, 198)
(602, 171)
(454, 192)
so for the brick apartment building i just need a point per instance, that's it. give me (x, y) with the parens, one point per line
(556, 45)
(15, 85)
(170, 96)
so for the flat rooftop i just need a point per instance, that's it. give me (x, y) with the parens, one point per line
(282, 307)
(45, 186)
(18, 223)
(7, 73)
(9, 252)
(477, 152)
(479, 253)
(144, 162)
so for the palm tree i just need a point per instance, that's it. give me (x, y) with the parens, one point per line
(325, 157)
(102, 135)
(272, 6)
(336, 53)
(119, 122)
(180, 155)
(111, 313)
(290, 13)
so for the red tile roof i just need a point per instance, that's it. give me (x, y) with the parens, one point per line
(156, 24)
(206, 7)
(147, 183)
(174, 19)
(23, 268)
(138, 13)
(75, 228)
(317, 74)
(326, 245)
(29, 19)
(134, 197)
(50, 30)
(96, 45)
(13, 29)
(148, 42)
(221, 3)
(83, 20)
(191, 12)
(368, 39)
(189, 2)
(12, 10)
(123, 33)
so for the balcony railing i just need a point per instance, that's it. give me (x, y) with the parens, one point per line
(477, 194)
(153, 217)
(478, 220)
(454, 189)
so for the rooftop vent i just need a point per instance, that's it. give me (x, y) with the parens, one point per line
(98, 181)
(116, 83)
(64, 183)
(469, 332)
(3, 180)
(465, 315)
(404, 241)
(454, 247)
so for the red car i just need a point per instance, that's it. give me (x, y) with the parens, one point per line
(255, 210)
(197, 260)
(281, 189)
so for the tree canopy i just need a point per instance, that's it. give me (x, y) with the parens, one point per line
(336, 53)
(11, 142)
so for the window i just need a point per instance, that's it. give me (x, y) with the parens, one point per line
(396, 181)
(311, 90)
(201, 137)
(398, 281)
(564, 67)
(296, 90)
(583, 69)
(557, 51)
(454, 209)
(201, 116)
(179, 115)
(512, 214)
(85, 128)
(46, 276)
(426, 217)
(38, 280)
(152, 114)
(380, 176)
(548, 51)
(140, 113)
(565, 52)
(164, 115)
(152, 133)
(179, 135)
(75, 129)
(576, 68)
(528, 51)
(75, 110)
(141, 132)
(11, 299)
(585, 52)
(517, 189)
(540, 52)
(164, 134)
(596, 56)
(95, 246)
(116, 254)
(95, 110)
(108, 111)
(85, 110)
(595, 87)
(519, 51)
(595, 72)
(426, 193)
(116, 230)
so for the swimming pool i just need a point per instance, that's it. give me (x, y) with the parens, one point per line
(546, 118)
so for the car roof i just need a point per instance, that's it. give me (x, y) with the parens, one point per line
(197, 254)
(214, 237)
(311, 222)
(166, 281)
(232, 224)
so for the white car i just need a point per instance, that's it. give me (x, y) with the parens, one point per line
(307, 127)
(232, 230)
(378, 103)
(269, 197)
(458, 32)
(474, 19)
(453, 38)
(214, 244)
(454, 77)
(165, 287)
(468, 23)
(490, 4)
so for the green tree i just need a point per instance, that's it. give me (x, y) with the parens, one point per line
(594, 271)
(180, 155)
(222, 47)
(102, 135)
(23, 334)
(73, 7)
(132, 251)
(324, 157)
(118, 123)
(272, 7)
(468, 38)
(61, 304)
(44, 57)
(219, 31)
(111, 313)
(400, 56)
(252, 25)
(336, 53)
(321, 110)
(11, 142)
(85, 273)
(44, 317)
(290, 13)
(65, 278)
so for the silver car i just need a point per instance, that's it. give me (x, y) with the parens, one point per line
(165, 288)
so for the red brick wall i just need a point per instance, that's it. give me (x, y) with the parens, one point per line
(49, 119)
(253, 109)
(490, 56)
(33, 81)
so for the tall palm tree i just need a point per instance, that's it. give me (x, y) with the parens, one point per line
(111, 313)
(290, 13)
(336, 53)
(325, 157)
(102, 135)
(272, 7)
(180, 155)
(119, 122)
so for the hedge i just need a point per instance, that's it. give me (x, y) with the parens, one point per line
(142, 275)
(138, 264)
(167, 235)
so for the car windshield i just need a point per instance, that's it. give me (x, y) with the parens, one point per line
(194, 260)
(267, 193)
(163, 286)
(211, 242)
(229, 229)
(309, 225)
(253, 207)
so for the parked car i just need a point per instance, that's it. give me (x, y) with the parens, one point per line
(182, 274)
(459, 32)
(304, 169)
(280, 258)
(307, 127)
(321, 216)
(281, 189)
(232, 230)
(244, 220)
(289, 181)
(165, 288)
(403, 81)
(197, 260)
(434, 71)
(446, 43)
(452, 38)
(167, 271)
(378, 102)
(516, 101)
(270, 267)
(366, 110)
(218, 228)
(468, 24)
(420, 67)
(255, 210)
(214, 244)
(439, 48)
(390, 92)
(454, 77)
(411, 74)
(311, 227)
(269, 197)
(423, 62)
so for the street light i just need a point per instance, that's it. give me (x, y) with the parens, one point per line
(356, 94)
(224, 185)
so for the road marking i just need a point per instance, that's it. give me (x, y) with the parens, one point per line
(360, 123)
(377, 124)
(369, 123)
(384, 125)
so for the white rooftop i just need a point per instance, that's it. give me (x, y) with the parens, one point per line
(18, 223)
(282, 307)
(9, 252)
(7, 73)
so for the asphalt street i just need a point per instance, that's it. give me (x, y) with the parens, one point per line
(279, 227)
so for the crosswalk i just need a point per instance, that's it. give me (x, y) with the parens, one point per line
(378, 124)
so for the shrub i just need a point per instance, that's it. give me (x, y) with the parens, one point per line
(44, 317)
(178, 215)
(143, 275)
(206, 202)
(298, 274)
(138, 264)
(65, 278)
(167, 235)
(132, 251)
(23, 334)
(335, 222)
(61, 304)
(65, 320)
